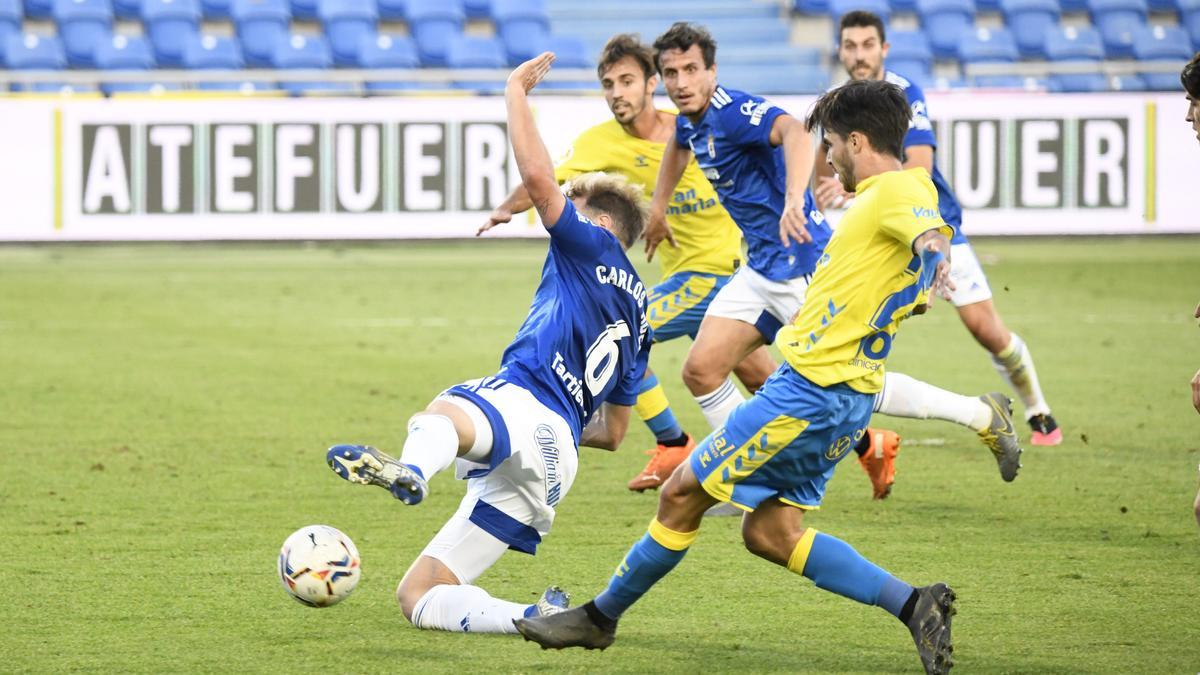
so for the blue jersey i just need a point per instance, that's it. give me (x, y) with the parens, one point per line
(586, 339)
(920, 132)
(732, 145)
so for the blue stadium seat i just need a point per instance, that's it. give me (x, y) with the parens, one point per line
(215, 9)
(987, 5)
(389, 51)
(1163, 6)
(434, 23)
(1075, 45)
(1127, 83)
(569, 52)
(125, 53)
(909, 46)
(170, 25)
(38, 9)
(1073, 5)
(348, 23)
(521, 26)
(1028, 20)
(82, 25)
(304, 10)
(261, 25)
(1189, 18)
(210, 52)
(27, 51)
(393, 10)
(765, 80)
(819, 7)
(305, 52)
(945, 22)
(1007, 82)
(11, 14)
(1117, 20)
(476, 52)
(1079, 83)
(909, 6)
(128, 9)
(1158, 44)
(477, 9)
(988, 45)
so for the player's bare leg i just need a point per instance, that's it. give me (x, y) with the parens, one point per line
(775, 531)
(754, 370)
(1015, 364)
(720, 346)
(432, 596)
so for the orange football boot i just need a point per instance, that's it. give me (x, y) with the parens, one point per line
(664, 461)
(879, 461)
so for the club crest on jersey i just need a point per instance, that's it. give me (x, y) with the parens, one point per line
(640, 162)
(712, 147)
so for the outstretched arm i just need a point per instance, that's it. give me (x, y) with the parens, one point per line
(789, 132)
(674, 163)
(517, 201)
(607, 427)
(533, 161)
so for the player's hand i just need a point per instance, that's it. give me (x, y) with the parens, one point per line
(656, 231)
(1196, 391)
(529, 74)
(942, 284)
(501, 214)
(792, 222)
(830, 194)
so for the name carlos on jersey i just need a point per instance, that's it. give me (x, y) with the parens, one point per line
(604, 352)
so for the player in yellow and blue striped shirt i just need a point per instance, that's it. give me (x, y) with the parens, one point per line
(775, 453)
(705, 244)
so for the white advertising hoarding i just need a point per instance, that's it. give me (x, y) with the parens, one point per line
(179, 169)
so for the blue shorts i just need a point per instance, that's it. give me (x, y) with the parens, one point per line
(783, 443)
(677, 305)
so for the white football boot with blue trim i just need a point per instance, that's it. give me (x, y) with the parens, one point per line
(365, 465)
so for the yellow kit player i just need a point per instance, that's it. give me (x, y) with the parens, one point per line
(776, 451)
(705, 246)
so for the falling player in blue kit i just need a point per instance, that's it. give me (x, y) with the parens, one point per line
(568, 379)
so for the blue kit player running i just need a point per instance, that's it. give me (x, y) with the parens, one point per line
(756, 157)
(568, 379)
(777, 451)
(862, 50)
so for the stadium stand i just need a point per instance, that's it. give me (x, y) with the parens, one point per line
(1057, 45)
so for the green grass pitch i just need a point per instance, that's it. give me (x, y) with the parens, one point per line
(164, 411)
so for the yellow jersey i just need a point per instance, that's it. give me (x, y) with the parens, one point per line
(708, 239)
(866, 283)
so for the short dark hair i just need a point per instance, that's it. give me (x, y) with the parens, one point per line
(625, 44)
(1190, 77)
(860, 18)
(682, 35)
(875, 108)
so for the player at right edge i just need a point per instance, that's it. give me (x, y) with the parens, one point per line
(776, 451)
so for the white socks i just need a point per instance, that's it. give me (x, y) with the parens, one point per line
(1015, 365)
(466, 609)
(432, 444)
(718, 405)
(902, 396)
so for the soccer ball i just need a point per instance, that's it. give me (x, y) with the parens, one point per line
(319, 566)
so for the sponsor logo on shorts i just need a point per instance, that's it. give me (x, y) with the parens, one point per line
(547, 442)
(840, 447)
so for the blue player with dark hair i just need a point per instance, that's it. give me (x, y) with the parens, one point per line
(568, 379)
